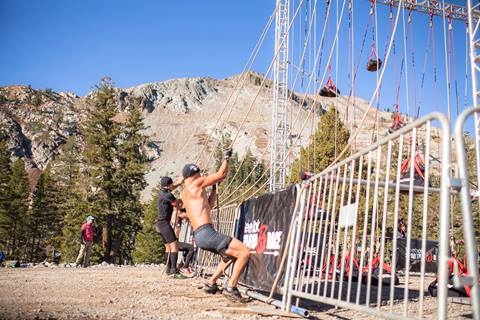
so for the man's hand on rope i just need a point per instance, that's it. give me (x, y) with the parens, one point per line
(228, 153)
(179, 181)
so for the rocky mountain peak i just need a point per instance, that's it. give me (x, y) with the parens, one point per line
(179, 95)
(38, 122)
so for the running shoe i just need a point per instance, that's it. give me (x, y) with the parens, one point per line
(186, 272)
(210, 288)
(233, 294)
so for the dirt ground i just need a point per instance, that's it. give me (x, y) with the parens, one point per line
(108, 293)
(115, 292)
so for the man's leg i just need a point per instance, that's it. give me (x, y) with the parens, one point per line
(168, 237)
(218, 272)
(241, 252)
(88, 250)
(167, 252)
(173, 256)
(171, 246)
(81, 254)
(188, 257)
(187, 250)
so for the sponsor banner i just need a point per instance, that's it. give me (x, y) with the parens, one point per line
(265, 222)
(431, 255)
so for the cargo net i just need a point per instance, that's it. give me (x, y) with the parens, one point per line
(224, 222)
(368, 230)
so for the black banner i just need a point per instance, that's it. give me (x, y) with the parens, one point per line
(266, 221)
(431, 255)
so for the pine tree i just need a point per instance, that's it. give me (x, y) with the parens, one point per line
(73, 206)
(133, 163)
(15, 219)
(5, 196)
(101, 136)
(149, 246)
(329, 139)
(246, 167)
(44, 222)
(260, 174)
(233, 166)
(70, 241)
(251, 172)
(116, 163)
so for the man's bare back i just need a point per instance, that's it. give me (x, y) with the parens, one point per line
(196, 204)
(194, 196)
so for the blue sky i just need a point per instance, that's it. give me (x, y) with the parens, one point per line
(70, 45)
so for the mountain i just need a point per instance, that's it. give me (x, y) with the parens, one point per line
(181, 116)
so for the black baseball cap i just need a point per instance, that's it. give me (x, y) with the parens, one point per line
(165, 181)
(189, 170)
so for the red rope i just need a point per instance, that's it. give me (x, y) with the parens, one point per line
(373, 52)
(434, 65)
(453, 59)
(394, 51)
(413, 64)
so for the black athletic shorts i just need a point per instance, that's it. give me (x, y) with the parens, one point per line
(207, 238)
(166, 231)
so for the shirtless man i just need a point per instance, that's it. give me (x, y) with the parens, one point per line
(198, 207)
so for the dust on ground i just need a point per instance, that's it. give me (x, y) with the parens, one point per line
(124, 292)
(109, 293)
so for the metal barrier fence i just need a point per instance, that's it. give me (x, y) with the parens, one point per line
(344, 251)
(224, 222)
(469, 276)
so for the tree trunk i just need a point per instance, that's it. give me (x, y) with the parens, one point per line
(107, 239)
(14, 239)
(32, 251)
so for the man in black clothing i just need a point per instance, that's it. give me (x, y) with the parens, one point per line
(187, 248)
(166, 203)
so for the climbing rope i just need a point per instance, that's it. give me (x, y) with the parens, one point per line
(306, 120)
(303, 56)
(241, 80)
(453, 58)
(374, 93)
(447, 62)
(467, 54)
(412, 50)
(264, 79)
(323, 77)
(405, 62)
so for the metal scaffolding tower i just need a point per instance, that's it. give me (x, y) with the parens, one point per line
(435, 8)
(278, 161)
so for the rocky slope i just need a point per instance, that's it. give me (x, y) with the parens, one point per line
(181, 116)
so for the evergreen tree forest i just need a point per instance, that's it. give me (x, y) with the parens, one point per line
(103, 178)
(99, 173)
